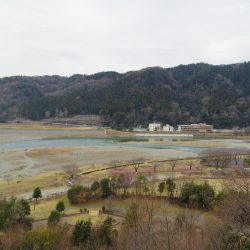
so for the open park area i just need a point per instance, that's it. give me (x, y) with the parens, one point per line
(82, 177)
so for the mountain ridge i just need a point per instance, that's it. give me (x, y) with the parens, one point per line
(216, 94)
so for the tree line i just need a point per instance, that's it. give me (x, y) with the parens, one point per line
(137, 98)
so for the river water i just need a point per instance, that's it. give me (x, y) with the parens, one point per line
(91, 142)
(59, 148)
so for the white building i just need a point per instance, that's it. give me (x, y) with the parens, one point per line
(196, 128)
(168, 128)
(154, 127)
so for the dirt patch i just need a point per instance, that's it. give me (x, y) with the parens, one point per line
(50, 151)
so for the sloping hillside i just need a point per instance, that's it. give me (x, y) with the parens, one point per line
(187, 93)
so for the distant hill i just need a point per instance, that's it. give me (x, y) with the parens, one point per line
(218, 95)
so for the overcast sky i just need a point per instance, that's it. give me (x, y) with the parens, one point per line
(64, 37)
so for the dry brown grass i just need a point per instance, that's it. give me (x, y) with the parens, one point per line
(95, 220)
(50, 151)
(112, 132)
(23, 185)
(39, 126)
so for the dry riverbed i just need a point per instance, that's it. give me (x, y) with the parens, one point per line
(29, 159)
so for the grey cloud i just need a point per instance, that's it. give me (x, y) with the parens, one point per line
(85, 36)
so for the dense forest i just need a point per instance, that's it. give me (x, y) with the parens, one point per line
(218, 95)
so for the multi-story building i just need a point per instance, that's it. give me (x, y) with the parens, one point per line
(154, 127)
(168, 128)
(196, 128)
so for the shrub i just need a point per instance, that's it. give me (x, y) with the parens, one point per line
(75, 194)
(54, 217)
(14, 212)
(105, 234)
(94, 187)
(82, 232)
(221, 196)
(27, 223)
(170, 186)
(161, 187)
(234, 239)
(200, 195)
(25, 207)
(105, 186)
(46, 238)
(132, 214)
(60, 207)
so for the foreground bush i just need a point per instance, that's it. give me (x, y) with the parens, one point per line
(201, 195)
(37, 239)
(54, 217)
(102, 237)
(82, 232)
(14, 212)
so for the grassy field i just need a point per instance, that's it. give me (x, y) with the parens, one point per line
(44, 207)
(56, 179)
(40, 126)
(95, 220)
(161, 208)
(24, 185)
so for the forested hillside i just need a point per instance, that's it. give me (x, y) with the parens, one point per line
(219, 95)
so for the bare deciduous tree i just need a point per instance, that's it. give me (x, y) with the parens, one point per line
(136, 163)
(125, 180)
(235, 209)
(218, 158)
(173, 165)
(190, 164)
(143, 230)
